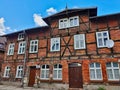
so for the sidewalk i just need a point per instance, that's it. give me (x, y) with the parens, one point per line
(7, 87)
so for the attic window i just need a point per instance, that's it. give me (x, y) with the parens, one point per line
(68, 22)
(21, 36)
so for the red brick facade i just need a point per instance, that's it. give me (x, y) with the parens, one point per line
(89, 24)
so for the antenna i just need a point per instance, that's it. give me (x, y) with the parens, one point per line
(66, 6)
(109, 43)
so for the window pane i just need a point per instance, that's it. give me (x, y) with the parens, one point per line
(55, 74)
(92, 65)
(109, 74)
(116, 73)
(75, 21)
(104, 34)
(115, 64)
(97, 65)
(60, 66)
(60, 74)
(108, 64)
(100, 42)
(98, 72)
(99, 34)
(92, 74)
(105, 39)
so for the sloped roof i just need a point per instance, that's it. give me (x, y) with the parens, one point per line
(73, 10)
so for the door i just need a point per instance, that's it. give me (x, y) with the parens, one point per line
(75, 76)
(32, 76)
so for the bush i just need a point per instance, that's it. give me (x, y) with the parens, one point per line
(101, 88)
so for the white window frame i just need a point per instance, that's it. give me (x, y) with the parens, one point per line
(102, 38)
(7, 72)
(33, 44)
(57, 74)
(95, 70)
(46, 72)
(112, 68)
(21, 36)
(63, 24)
(19, 71)
(79, 39)
(67, 24)
(55, 41)
(21, 47)
(73, 23)
(11, 49)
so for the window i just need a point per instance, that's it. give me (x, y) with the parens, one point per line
(45, 72)
(57, 72)
(21, 36)
(7, 71)
(19, 72)
(102, 37)
(68, 22)
(79, 41)
(63, 23)
(21, 49)
(95, 71)
(33, 46)
(55, 44)
(113, 71)
(74, 21)
(11, 49)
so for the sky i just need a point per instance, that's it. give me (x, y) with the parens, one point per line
(18, 15)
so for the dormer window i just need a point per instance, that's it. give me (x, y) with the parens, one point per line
(21, 36)
(68, 22)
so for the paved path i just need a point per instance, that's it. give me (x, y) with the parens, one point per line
(6, 87)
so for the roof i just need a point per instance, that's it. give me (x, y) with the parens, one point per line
(94, 12)
(107, 15)
(26, 30)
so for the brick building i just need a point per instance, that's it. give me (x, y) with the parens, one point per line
(2, 50)
(78, 49)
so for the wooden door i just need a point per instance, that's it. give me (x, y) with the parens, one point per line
(32, 76)
(75, 76)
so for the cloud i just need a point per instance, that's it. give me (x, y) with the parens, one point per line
(51, 11)
(38, 20)
(3, 28)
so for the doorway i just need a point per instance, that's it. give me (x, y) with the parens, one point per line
(75, 75)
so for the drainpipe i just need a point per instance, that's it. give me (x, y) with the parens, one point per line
(24, 63)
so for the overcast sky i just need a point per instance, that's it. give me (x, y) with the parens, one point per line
(22, 14)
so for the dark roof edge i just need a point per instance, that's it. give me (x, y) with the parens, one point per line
(23, 30)
(70, 9)
(104, 15)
